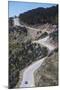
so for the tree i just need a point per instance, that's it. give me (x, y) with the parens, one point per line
(11, 21)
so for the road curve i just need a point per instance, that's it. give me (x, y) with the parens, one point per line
(45, 42)
(28, 78)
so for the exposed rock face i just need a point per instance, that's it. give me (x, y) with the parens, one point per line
(47, 74)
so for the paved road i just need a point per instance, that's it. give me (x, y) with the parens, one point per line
(28, 78)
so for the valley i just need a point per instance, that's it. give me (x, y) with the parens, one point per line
(32, 50)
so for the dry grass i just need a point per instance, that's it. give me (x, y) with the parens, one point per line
(47, 74)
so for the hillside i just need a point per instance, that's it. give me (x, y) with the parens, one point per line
(40, 16)
(47, 74)
(22, 52)
(34, 25)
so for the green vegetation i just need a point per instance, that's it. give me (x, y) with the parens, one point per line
(13, 71)
(11, 22)
(22, 54)
(40, 16)
(54, 36)
(16, 37)
(43, 35)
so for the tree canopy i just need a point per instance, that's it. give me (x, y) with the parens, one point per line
(40, 16)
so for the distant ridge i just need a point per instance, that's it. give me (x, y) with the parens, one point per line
(40, 15)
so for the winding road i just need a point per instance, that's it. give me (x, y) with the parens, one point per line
(28, 78)
(45, 42)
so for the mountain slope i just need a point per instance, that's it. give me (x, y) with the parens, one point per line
(40, 16)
